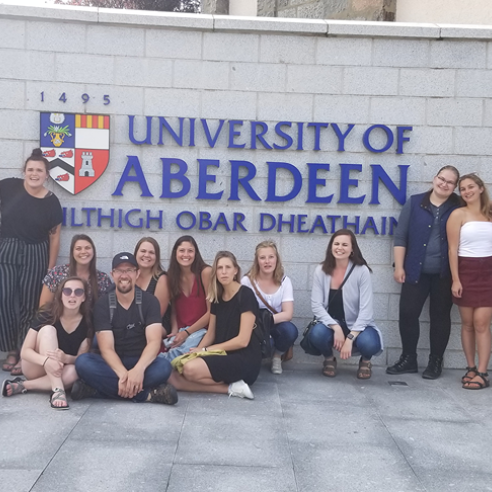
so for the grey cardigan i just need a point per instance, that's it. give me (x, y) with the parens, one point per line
(357, 299)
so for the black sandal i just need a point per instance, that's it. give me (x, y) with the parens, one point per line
(467, 377)
(59, 395)
(484, 376)
(16, 385)
(330, 367)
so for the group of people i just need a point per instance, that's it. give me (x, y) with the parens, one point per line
(143, 333)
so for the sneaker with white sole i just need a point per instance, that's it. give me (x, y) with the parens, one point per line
(241, 390)
(277, 365)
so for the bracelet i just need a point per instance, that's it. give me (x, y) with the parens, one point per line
(186, 329)
(45, 361)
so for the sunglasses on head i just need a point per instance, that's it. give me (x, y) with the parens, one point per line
(67, 291)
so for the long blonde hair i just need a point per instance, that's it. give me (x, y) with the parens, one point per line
(484, 196)
(278, 273)
(216, 289)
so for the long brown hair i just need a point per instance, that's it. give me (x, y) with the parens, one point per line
(72, 265)
(484, 196)
(54, 310)
(157, 269)
(356, 257)
(216, 289)
(278, 273)
(174, 271)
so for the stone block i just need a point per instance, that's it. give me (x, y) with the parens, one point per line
(370, 81)
(145, 72)
(418, 82)
(170, 43)
(400, 52)
(383, 29)
(115, 40)
(462, 31)
(458, 54)
(234, 47)
(455, 112)
(285, 107)
(290, 13)
(258, 77)
(12, 32)
(375, 251)
(270, 24)
(431, 140)
(61, 13)
(487, 118)
(12, 94)
(474, 141)
(201, 75)
(314, 79)
(288, 49)
(218, 104)
(40, 36)
(474, 83)
(124, 100)
(171, 102)
(17, 64)
(341, 109)
(314, 10)
(15, 124)
(432, 163)
(397, 111)
(344, 51)
(146, 18)
(91, 69)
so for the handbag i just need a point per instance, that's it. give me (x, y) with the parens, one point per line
(306, 343)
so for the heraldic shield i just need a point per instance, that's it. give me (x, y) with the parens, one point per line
(77, 147)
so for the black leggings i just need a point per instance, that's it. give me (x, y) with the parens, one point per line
(412, 299)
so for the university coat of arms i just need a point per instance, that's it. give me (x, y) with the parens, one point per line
(77, 147)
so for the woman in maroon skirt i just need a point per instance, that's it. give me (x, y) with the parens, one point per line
(469, 230)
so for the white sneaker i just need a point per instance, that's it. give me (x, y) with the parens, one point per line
(277, 365)
(241, 390)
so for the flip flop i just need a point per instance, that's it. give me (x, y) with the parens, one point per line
(17, 369)
(59, 395)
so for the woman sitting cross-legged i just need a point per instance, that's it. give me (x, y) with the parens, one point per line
(230, 332)
(341, 301)
(58, 335)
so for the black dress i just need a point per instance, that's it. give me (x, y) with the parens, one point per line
(237, 364)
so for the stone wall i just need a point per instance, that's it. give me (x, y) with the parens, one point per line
(435, 79)
(372, 10)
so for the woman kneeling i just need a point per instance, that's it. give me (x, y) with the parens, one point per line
(341, 301)
(230, 332)
(58, 335)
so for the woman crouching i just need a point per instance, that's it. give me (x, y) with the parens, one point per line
(233, 314)
(341, 301)
(58, 335)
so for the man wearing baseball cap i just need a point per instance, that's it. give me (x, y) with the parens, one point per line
(128, 328)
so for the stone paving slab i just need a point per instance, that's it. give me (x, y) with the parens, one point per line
(303, 432)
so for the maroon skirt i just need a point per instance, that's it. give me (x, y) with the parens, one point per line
(476, 281)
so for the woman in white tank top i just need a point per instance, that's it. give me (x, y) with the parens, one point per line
(469, 231)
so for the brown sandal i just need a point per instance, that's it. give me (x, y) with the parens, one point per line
(478, 385)
(364, 371)
(10, 361)
(470, 373)
(330, 367)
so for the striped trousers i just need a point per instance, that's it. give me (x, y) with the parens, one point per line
(22, 269)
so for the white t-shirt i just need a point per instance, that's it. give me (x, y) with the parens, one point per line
(285, 293)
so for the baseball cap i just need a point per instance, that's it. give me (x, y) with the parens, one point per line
(124, 258)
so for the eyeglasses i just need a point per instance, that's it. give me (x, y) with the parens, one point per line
(67, 291)
(444, 181)
(128, 271)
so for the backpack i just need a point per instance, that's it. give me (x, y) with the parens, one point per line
(113, 304)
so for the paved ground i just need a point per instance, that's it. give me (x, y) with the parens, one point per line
(303, 432)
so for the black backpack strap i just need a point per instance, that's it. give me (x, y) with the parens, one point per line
(112, 304)
(138, 302)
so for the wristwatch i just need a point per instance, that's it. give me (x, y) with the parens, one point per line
(350, 336)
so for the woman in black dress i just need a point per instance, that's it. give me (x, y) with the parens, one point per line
(232, 320)
(31, 218)
(58, 335)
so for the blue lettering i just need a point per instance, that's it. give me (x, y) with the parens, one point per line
(272, 178)
(192, 132)
(272, 220)
(314, 182)
(400, 138)
(222, 221)
(73, 223)
(317, 132)
(100, 216)
(205, 222)
(203, 178)
(164, 124)
(341, 136)
(168, 177)
(399, 194)
(389, 138)
(127, 219)
(133, 164)
(233, 133)
(285, 136)
(212, 140)
(184, 215)
(301, 221)
(244, 181)
(255, 135)
(370, 224)
(150, 218)
(88, 215)
(131, 132)
(299, 135)
(290, 222)
(346, 223)
(346, 182)
(318, 222)
(238, 222)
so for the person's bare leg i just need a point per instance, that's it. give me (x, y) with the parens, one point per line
(468, 335)
(481, 323)
(43, 383)
(196, 377)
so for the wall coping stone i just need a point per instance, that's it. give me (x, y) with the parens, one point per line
(259, 25)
